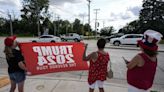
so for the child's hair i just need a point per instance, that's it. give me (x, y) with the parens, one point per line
(101, 43)
(8, 52)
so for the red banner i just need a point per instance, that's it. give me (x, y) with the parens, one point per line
(44, 58)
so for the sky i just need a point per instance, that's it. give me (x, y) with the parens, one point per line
(116, 13)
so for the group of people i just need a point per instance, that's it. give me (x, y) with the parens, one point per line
(140, 70)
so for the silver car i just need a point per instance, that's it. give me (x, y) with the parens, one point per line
(71, 36)
(47, 38)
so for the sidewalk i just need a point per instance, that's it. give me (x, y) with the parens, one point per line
(70, 83)
(50, 84)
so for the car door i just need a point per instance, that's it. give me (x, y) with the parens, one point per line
(42, 39)
(48, 39)
(127, 39)
(136, 38)
(71, 36)
(67, 36)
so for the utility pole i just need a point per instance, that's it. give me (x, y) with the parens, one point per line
(103, 23)
(58, 18)
(54, 24)
(89, 3)
(96, 12)
(38, 19)
(55, 32)
(83, 26)
(11, 26)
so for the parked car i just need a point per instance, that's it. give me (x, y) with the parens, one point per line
(113, 36)
(71, 36)
(130, 39)
(47, 38)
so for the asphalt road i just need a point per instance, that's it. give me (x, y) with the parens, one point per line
(118, 64)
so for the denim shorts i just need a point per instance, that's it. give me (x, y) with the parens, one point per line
(17, 77)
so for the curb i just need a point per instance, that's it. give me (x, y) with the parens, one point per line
(128, 48)
(4, 81)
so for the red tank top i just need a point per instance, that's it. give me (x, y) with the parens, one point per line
(98, 69)
(142, 77)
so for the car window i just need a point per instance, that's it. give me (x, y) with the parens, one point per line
(137, 36)
(118, 35)
(42, 37)
(129, 36)
(46, 37)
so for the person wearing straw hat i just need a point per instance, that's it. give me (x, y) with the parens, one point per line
(142, 68)
(16, 65)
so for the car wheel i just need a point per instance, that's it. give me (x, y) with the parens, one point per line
(62, 39)
(107, 40)
(76, 40)
(116, 43)
(137, 45)
(33, 41)
(52, 41)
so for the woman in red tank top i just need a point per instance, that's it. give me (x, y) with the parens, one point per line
(98, 66)
(142, 68)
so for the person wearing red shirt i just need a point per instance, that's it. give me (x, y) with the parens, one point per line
(142, 68)
(98, 66)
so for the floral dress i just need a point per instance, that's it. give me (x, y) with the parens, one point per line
(98, 69)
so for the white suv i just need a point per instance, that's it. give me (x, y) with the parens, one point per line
(126, 39)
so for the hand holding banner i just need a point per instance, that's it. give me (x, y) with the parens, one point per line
(44, 58)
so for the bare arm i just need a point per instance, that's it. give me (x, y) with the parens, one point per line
(86, 58)
(134, 62)
(22, 65)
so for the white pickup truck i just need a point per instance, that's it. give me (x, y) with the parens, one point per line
(71, 36)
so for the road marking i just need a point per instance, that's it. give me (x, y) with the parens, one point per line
(4, 81)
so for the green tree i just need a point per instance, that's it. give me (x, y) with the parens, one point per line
(152, 15)
(3, 23)
(107, 31)
(33, 10)
(77, 26)
(132, 27)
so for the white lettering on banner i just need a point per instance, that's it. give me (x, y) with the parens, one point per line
(60, 59)
(63, 50)
(42, 67)
(72, 65)
(46, 67)
(46, 50)
(69, 49)
(54, 55)
(37, 50)
(58, 66)
(69, 58)
(55, 50)
(41, 60)
(51, 60)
